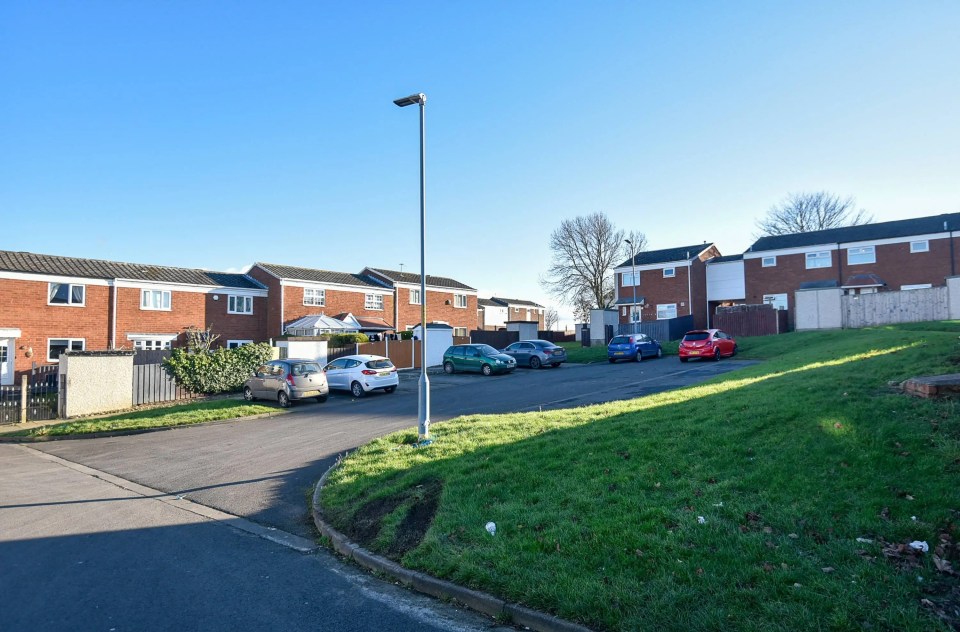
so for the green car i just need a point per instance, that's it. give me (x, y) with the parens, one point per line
(482, 358)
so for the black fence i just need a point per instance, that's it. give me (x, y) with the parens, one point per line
(497, 339)
(670, 329)
(42, 396)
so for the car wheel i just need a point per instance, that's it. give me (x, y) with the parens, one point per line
(534, 362)
(734, 352)
(248, 394)
(390, 389)
(283, 399)
(356, 389)
(639, 357)
(486, 369)
(448, 367)
(321, 398)
(716, 355)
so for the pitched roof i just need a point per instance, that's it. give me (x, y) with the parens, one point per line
(486, 302)
(866, 232)
(367, 322)
(725, 259)
(651, 257)
(514, 301)
(321, 276)
(99, 269)
(414, 279)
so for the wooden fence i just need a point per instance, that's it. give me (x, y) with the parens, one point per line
(885, 308)
(751, 320)
(151, 384)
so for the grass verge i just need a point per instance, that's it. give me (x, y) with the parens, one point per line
(735, 504)
(181, 415)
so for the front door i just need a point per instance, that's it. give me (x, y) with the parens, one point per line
(6, 361)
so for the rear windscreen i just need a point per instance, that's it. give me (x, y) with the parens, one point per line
(380, 364)
(620, 340)
(697, 336)
(303, 369)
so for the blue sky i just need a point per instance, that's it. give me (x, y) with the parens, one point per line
(215, 134)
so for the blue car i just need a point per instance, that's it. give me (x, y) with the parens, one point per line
(634, 347)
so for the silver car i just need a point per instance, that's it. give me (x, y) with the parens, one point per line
(361, 374)
(287, 381)
(536, 353)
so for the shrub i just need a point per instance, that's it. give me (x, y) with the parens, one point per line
(217, 371)
(406, 335)
(342, 340)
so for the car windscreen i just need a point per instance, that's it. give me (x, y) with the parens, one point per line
(620, 340)
(700, 335)
(380, 364)
(306, 367)
(487, 350)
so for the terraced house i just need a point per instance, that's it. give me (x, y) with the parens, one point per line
(51, 304)
(449, 302)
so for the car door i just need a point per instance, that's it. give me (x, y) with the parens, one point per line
(256, 382)
(273, 379)
(643, 345)
(472, 359)
(336, 374)
(726, 343)
(514, 351)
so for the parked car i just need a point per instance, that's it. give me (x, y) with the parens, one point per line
(482, 358)
(287, 381)
(361, 374)
(633, 347)
(707, 343)
(536, 353)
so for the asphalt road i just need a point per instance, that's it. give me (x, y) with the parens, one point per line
(80, 551)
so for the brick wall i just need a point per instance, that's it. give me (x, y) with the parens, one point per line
(438, 309)
(187, 309)
(236, 326)
(337, 302)
(25, 308)
(274, 298)
(657, 290)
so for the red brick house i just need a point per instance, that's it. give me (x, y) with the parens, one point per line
(898, 255)
(297, 292)
(50, 304)
(669, 283)
(449, 301)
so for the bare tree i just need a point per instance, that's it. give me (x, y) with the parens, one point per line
(806, 212)
(584, 251)
(550, 319)
(200, 340)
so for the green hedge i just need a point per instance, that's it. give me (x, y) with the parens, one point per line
(217, 371)
(342, 340)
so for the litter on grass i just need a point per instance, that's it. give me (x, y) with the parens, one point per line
(701, 520)
(491, 528)
(920, 545)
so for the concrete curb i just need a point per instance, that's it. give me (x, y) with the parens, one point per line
(135, 431)
(439, 588)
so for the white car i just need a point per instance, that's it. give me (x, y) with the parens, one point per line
(361, 374)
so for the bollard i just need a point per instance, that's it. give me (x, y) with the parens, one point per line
(23, 399)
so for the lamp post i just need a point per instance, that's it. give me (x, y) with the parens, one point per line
(633, 264)
(423, 408)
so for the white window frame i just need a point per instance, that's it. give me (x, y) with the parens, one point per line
(70, 302)
(245, 304)
(166, 300)
(156, 341)
(669, 273)
(628, 279)
(415, 297)
(233, 344)
(817, 258)
(664, 310)
(458, 299)
(70, 344)
(922, 245)
(779, 301)
(623, 311)
(916, 286)
(768, 262)
(316, 297)
(373, 302)
(861, 255)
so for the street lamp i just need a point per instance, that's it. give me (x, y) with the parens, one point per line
(633, 263)
(423, 408)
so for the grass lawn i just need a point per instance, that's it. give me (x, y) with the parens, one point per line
(180, 415)
(732, 505)
(577, 353)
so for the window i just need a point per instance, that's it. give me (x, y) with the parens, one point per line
(3, 353)
(516, 310)
(239, 304)
(233, 344)
(627, 279)
(769, 262)
(56, 346)
(313, 296)
(669, 272)
(415, 297)
(920, 246)
(864, 254)
(917, 286)
(459, 300)
(373, 301)
(779, 301)
(66, 294)
(460, 331)
(819, 260)
(151, 342)
(666, 311)
(155, 299)
(624, 311)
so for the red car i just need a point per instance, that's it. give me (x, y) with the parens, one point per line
(707, 343)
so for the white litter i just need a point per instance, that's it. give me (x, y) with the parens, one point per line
(919, 545)
(719, 504)
(865, 540)
(701, 520)
(491, 528)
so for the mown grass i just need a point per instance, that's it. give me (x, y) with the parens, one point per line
(787, 462)
(180, 415)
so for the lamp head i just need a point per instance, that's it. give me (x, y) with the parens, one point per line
(414, 99)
